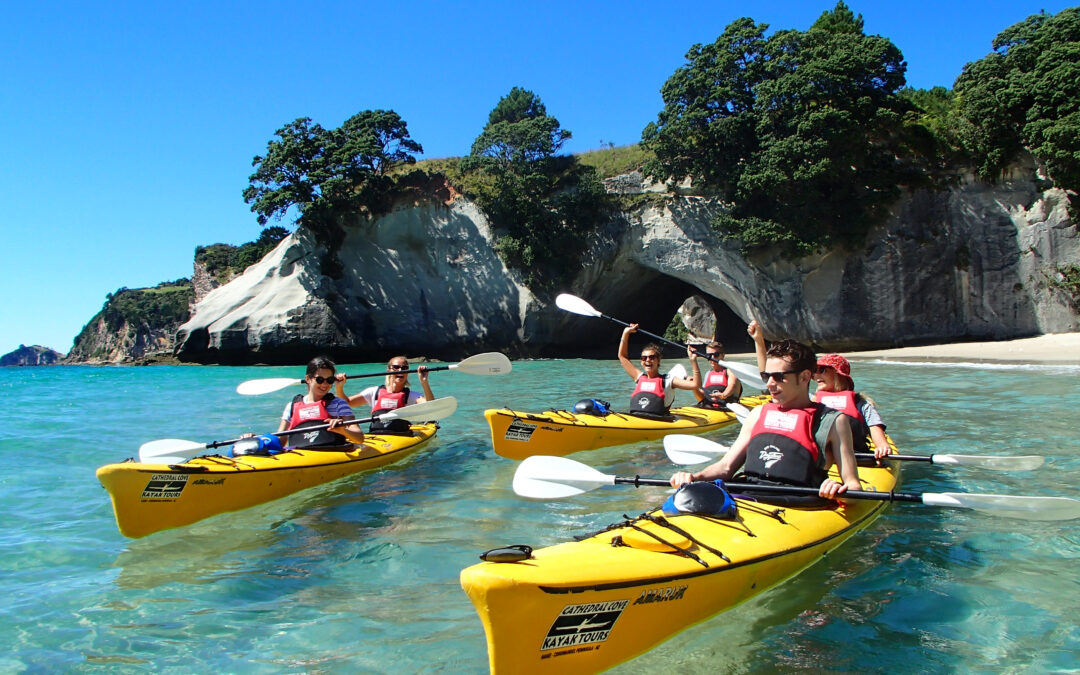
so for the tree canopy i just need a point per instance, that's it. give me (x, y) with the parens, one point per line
(323, 172)
(798, 130)
(543, 205)
(1026, 93)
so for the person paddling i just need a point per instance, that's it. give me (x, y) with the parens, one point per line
(791, 440)
(653, 391)
(394, 393)
(719, 385)
(319, 406)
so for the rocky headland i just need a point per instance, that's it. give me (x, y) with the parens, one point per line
(973, 261)
(35, 355)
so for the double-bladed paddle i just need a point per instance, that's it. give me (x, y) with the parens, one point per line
(490, 363)
(684, 449)
(177, 451)
(575, 305)
(544, 477)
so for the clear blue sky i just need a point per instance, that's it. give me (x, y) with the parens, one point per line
(128, 128)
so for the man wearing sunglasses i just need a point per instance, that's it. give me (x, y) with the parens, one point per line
(319, 406)
(792, 440)
(653, 391)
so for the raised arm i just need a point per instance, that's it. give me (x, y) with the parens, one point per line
(422, 372)
(624, 352)
(755, 331)
(689, 383)
(351, 400)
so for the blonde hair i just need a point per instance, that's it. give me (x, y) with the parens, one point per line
(386, 380)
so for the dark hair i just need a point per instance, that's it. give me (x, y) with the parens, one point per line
(320, 363)
(718, 346)
(653, 347)
(801, 357)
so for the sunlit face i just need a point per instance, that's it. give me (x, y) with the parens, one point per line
(784, 383)
(321, 388)
(827, 378)
(397, 366)
(715, 354)
(650, 361)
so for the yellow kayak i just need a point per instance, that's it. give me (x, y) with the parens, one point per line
(151, 497)
(585, 606)
(516, 434)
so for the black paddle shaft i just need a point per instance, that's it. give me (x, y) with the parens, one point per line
(430, 369)
(637, 481)
(662, 339)
(298, 430)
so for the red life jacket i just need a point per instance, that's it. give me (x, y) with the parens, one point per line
(847, 402)
(782, 446)
(310, 414)
(648, 396)
(385, 401)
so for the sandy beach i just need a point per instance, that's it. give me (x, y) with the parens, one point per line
(1051, 348)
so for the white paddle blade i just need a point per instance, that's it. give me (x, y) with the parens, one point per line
(427, 411)
(170, 451)
(695, 444)
(265, 386)
(491, 363)
(575, 305)
(1012, 506)
(1021, 463)
(545, 477)
(748, 374)
(685, 449)
(741, 412)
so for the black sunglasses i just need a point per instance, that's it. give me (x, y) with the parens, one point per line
(398, 366)
(778, 375)
(320, 379)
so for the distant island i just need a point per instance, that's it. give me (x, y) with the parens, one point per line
(35, 355)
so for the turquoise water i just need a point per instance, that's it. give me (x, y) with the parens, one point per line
(362, 575)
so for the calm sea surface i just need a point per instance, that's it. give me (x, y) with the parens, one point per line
(362, 575)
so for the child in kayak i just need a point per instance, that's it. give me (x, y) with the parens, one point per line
(653, 391)
(835, 388)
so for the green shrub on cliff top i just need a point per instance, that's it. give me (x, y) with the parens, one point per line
(543, 206)
(1026, 93)
(797, 130)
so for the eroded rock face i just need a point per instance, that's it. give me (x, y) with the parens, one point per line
(968, 262)
(422, 280)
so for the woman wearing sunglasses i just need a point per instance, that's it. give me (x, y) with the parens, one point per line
(319, 406)
(653, 391)
(394, 393)
(836, 389)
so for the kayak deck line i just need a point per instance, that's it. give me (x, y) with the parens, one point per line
(729, 566)
(223, 462)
